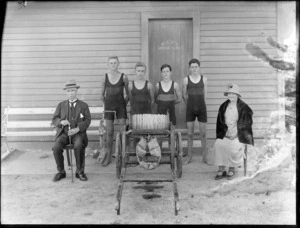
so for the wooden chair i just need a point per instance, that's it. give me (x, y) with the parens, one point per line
(35, 124)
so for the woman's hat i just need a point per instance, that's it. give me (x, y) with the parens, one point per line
(71, 84)
(233, 88)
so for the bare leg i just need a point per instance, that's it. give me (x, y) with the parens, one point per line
(203, 140)
(121, 122)
(110, 134)
(188, 158)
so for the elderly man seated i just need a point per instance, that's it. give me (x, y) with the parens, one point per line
(71, 118)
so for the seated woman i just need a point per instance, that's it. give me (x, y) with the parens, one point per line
(234, 130)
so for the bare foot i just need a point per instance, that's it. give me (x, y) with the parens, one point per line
(106, 162)
(204, 157)
(102, 156)
(204, 160)
(187, 159)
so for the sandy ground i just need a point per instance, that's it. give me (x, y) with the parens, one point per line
(28, 195)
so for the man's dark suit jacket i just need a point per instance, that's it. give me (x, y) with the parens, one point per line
(82, 118)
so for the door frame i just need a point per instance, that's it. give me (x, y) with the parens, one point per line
(147, 16)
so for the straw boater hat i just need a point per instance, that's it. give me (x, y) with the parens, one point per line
(71, 84)
(233, 88)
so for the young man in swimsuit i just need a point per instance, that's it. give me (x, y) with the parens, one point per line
(112, 96)
(141, 92)
(167, 93)
(194, 92)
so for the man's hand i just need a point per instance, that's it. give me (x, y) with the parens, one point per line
(73, 131)
(64, 122)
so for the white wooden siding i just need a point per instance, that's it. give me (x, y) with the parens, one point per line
(47, 43)
(224, 60)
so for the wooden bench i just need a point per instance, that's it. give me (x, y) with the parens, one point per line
(34, 124)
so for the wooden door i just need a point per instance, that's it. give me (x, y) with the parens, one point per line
(171, 42)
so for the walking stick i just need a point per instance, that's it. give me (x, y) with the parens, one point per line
(70, 149)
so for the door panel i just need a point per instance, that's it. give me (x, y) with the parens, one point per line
(171, 42)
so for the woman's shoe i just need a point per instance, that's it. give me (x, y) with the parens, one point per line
(230, 174)
(220, 175)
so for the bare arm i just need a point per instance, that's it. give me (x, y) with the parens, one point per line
(102, 91)
(205, 88)
(130, 85)
(126, 81)
(156, 92)
(177, 92)
(184, 90)
(151, 91)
